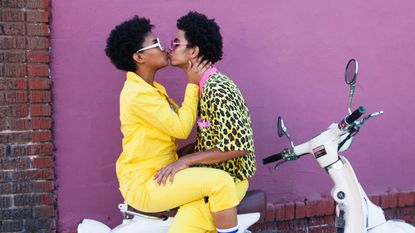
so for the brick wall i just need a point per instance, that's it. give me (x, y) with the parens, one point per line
(27, 199)
(318, 216)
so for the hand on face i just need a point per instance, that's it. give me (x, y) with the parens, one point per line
(196, 68)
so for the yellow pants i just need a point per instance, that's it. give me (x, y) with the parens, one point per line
(189, 185)
(196, 217)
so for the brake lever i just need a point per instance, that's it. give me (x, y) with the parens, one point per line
(279, 163)
(361, 122)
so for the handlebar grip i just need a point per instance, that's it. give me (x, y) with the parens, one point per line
(272, 158)
(355, 115)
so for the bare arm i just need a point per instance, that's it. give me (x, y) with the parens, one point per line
(185, 150)
(202, 157)
(211, 156)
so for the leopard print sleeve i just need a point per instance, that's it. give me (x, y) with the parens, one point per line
(233, 121)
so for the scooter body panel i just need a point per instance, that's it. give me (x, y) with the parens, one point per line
(143, 225)
(393, 227)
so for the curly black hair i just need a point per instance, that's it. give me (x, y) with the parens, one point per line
(202, 32)
(125, 39)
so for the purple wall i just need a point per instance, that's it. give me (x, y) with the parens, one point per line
(288, 59)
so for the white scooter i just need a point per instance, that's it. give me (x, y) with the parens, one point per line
(249, 212)
(355, 213)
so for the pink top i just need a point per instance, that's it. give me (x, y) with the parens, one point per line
(205, 77)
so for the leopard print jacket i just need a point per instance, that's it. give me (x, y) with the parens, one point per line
(226, 125)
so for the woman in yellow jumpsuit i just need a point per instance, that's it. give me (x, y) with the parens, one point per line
(151, 122)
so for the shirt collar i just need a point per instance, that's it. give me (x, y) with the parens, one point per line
(205, 77)
(136, 78)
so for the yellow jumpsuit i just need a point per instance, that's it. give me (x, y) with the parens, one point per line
(151, 122)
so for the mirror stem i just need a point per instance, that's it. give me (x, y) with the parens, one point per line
(352, 87)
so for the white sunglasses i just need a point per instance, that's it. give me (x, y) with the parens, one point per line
(158, 44)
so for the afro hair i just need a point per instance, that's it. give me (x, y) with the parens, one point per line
(204, 33)
(124, 40)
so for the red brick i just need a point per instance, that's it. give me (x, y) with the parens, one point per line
(40, 97)
(321, 220)
(38, 56)
(322, 229)
(14, 97)
(14, 124)
(37, 29)
(32, 175)
(14, 111)
(406, 199)
(5, 202)
(12, 70)
(43, 211)
(270, 213)
(37, 16)
(12, 42)
(13, 84)
(375, 199)
(40, 110)
(39, 83)
(289, 211)
(12, 4)
(11, 28)
(14, 163)
(34, 199)
(41, 123)
(312, 208)
(42, 136)
(4, 176)
(12, 15)
(47, 199)
(41, 4)
(43, 187)
(32, 149)
(279, 212)
(6, 138)
(15, 56)
(300, 210)
(9, 188)
(38, 70)
(285, 211)
(42, 162)
(389, 201)
(37, 43)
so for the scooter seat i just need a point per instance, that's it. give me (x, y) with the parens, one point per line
(254, 201)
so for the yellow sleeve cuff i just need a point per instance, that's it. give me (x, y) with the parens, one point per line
(192, 90)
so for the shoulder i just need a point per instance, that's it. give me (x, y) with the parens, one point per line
(134, 92)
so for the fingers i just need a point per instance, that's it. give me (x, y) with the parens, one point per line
(189, 65)
(204, 66)
(162, 175)
(200, 65)
(172, 176)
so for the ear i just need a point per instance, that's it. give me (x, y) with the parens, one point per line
(137, 57)
(195, 52)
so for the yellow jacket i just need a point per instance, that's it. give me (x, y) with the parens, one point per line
(151, 122)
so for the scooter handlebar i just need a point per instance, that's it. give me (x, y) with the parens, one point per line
(272, 158)
(355, 115)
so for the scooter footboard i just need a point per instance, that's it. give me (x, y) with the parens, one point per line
(92, 226)
(247, 220)
(143, 225)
